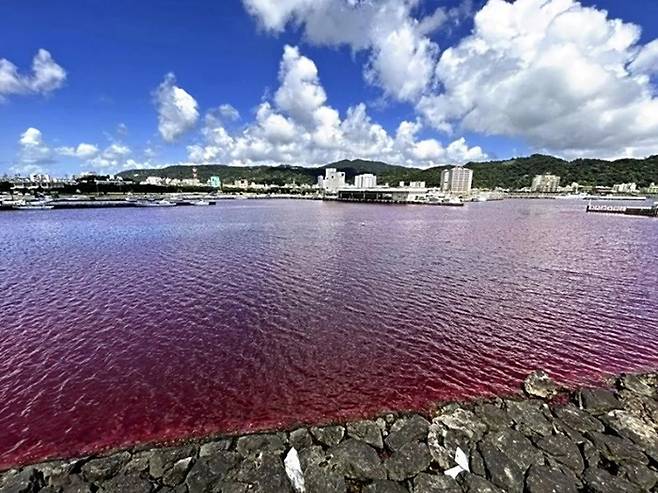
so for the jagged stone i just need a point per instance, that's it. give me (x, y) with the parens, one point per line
(634, 429)
(563, 450)
(530, 417)
(266, 442)
(210, 470)
(577, 419)
(312, 456)
(127, 484)
(496, 418)
(477, 463)
(464, 421)
(104, 467)
(440, 454)
(366, 431)
(75, 484)
(385, 486)
(601, 481)
(409, 460)
(501, 469)
(300, 438)
(646, 385)
(599, 400)
(329, 436)
(539, 384)
(616, 449)
(232, 487)
(439, 483)
(24, 481)
(176, 475)
(413, 428)
(517, 447)
(357, 460)
(472, 483)
(323, 479)
(266, 473)
(544, 479)
(211, 448)
(163, 459)
(639, 474)
(138, 464)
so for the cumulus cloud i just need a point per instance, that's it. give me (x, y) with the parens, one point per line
(177, 109)
(33, 150)
(46, 76)
(564, 77)
(299, 127)
(82, 151)
(401, 54)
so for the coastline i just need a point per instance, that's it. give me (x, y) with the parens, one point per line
(596, 438)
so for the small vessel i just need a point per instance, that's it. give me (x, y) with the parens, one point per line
(41, 205)
(154, 203)
(200, 202)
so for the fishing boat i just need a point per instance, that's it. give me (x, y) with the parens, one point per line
(33, 206)
(200, 202)
(155, 203)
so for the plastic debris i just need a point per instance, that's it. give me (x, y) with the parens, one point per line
(294, 471)
(462, 464)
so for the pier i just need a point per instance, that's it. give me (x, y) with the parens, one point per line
(625, 210)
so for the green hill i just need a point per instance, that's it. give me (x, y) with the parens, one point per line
(512, 173)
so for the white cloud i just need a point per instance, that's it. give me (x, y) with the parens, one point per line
(229, 112)
(299, 127)
(46, 76)
(177, 110)
(561, 76)
(33, 150)
(402, 55)
(82, 151)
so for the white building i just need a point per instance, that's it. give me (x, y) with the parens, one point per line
(333, 180)
(417, 184)
(545, 183)
(457, 180)
(152, 180)
(624, 188)
(365, 181)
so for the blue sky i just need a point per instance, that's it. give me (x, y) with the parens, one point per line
(407, 88)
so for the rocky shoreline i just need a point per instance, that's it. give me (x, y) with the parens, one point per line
(590, 439)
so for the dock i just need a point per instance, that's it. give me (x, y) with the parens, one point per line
(651, 211)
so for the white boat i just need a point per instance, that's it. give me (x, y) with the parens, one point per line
(155, 203)
(200, 202)
(33, 206)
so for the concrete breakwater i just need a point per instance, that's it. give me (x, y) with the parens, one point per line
(590, 439)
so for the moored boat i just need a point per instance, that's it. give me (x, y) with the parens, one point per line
(154, 203)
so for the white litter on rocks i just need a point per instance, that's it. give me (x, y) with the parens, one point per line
(294, 471)
(462, 464)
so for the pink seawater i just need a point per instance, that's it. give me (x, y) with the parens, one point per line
(142, 325)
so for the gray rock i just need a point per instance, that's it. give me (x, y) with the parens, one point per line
(477, 463)
(563, 450)
(266, 473)
(543, 479)
(496, 418)
(577, 419)
(599, 401)
(472, 483)
(274, 443)
(634, 429)
(412, 429)
(138, 464)
(640, 475)
(208, 471)
(176, 475)
(464, 421)
(163, 459)
(300, 438)
(329, 436)
(19, 481)
(646, 385)
(430, 483)
(127, 484)
(516, 447)
(601, 481)
(211, 448)
(312, 456)
(75, 484)
(440, 454)
(501, 470)
(539, 384)
(409, 460)
(530, 417)
(384, 486)
(104, 467)
(357, 460)
(318, 479)
(616, 449)
(233, 487)
(366, 431)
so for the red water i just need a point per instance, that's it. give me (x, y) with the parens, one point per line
(141, 325)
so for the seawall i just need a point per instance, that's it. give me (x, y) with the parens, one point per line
(590, 439)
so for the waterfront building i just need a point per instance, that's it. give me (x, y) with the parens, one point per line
(333, 180)
(215, 182)
(152, 180)
(652, 189)
(417, 184)
(241, 184)
(365, 181)
(624, 188)
(545, 183)
(457, 180)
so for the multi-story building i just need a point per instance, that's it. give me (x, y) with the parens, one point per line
(365, 181)
(545, 183)
(333, 180)
(457, 180)
(215, 182)
(624, 188)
